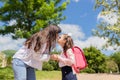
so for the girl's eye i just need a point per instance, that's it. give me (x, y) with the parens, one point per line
(59, 37)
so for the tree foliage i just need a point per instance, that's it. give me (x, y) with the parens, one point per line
(116, 57)
(9, 53)
(95, 59)
(29, 16)
(8, 56)
(111, 65)
(108, 30)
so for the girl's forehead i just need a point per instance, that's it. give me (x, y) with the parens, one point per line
(62, 35)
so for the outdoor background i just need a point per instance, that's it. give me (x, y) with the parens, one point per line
(93, 24)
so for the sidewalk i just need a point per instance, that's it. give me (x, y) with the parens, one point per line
(85, 76)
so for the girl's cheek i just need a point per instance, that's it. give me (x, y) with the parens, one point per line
(60, 41)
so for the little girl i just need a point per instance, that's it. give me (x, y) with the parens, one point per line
(66, 59)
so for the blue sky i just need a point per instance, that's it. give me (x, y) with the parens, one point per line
(81, 18)
(82, 13)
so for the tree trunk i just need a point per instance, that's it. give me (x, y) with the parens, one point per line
(4, 61)
(118, 68)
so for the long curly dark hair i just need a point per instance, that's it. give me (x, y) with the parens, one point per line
(47, 35)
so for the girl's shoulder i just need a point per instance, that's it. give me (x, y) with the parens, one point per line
(69, 51)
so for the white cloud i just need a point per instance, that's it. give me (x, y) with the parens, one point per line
(6, 42)
(115, 48)
(12, 22)
(76, 0)
(75, 30)
(91, 41)
(78, 36)
(111, 18)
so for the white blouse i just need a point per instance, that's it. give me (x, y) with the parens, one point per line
(31, 58)
(67, 61)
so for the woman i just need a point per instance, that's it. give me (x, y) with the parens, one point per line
(34, 52)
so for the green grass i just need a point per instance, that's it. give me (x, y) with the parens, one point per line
(48, 75)
(7, 74)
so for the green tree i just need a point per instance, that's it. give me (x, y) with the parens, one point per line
(116, 57)
(95, 59)
(30, 15)
(104, 29)
(111, 65)
(9, 54)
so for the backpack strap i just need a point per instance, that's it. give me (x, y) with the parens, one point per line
(66, 53)
(78, 48)
(72, 50)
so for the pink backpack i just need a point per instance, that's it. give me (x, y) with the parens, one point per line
(80, 59)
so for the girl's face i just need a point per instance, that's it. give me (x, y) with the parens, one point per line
(61, 40)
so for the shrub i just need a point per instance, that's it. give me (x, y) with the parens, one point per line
(50, 65)
(47, 66)
(6, 73)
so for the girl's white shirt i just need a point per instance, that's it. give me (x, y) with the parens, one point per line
(31, 58)
(67, 61)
